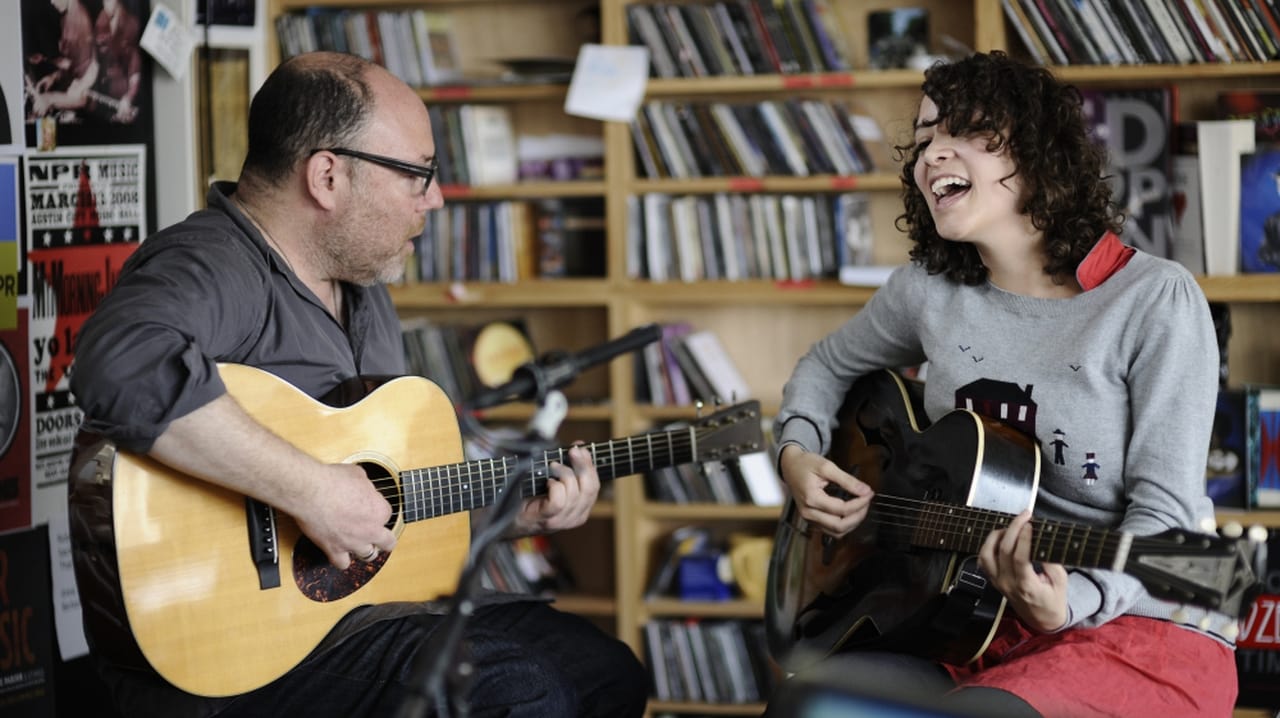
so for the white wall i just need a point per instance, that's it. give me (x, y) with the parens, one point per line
(179, 188)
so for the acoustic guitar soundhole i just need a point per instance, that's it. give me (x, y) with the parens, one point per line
(320, 580)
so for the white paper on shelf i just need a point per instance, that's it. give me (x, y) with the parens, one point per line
(1220, 143)
(608, 82)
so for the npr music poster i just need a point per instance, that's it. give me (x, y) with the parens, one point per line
(86, 213)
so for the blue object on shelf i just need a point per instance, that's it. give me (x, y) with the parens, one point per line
(700, 578)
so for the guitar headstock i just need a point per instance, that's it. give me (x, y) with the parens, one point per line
(731, 431)
(1218, 572)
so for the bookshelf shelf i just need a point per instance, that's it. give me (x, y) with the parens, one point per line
(766, 325)
(738, 608)
(587, 605)
(709, 512)
(535, 293)
(753, 291)
(506, 92)
(818, 183)
(664, 414)
(833, 81)
(711, 709)
(1101, 75)
(1257, 288)
(524, 411)
(1261, 517)
(525, 190)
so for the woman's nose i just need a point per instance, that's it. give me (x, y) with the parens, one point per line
(938, 150)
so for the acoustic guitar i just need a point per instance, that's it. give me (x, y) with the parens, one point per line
(221, 594)
(907, 579)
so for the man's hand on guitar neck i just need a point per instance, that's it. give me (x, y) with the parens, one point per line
(1039, 597)
(568, 500)
(826, 496)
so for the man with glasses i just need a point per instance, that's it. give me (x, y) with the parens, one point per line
(284, 271)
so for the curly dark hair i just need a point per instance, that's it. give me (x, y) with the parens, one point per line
(1041, 123)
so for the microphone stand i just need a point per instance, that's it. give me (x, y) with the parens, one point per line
(432, 681)
(534, 379)
(442, 672)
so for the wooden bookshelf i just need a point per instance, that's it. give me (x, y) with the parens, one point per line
(765, 325)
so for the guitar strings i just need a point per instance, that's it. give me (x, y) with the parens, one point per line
(942, 523)
(441, 490)
(955, 526)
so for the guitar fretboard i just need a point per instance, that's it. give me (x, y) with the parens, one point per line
(443, 490)
(952, 527)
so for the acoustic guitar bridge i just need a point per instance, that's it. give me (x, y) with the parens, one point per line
(263, 546)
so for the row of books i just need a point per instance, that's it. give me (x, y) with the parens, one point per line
(685, 365)
(1115, 32)
(1225, 174)
(511, 240)
(734, 237)
(475, 144)
(1202, 193)
(708, 661)
(417, 46)
(529, 565)
(1243, 468)
(794, 137)
(738, 37)
(748, 480)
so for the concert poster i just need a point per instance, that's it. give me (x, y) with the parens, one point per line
(86, 214)
(27, 655)
(15, 416)
(15, 426)
(1135, 126)
(1258, 645)
(86, 79)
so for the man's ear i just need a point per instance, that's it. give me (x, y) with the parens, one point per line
(323, 178)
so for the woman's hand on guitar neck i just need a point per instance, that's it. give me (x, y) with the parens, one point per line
(1039, 597)
(826, 496)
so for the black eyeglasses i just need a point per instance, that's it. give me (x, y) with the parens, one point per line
(426, 172)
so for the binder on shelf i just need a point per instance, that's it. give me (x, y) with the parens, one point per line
(1220, 143)
(717, 366)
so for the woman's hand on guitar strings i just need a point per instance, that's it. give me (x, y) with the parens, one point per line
(826, 496)
(568, 501)
(1039, 597)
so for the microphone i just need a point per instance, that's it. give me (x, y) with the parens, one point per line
(532, 380)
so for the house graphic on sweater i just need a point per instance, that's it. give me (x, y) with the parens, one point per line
(1002, 400)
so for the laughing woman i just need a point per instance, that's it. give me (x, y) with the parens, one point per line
(1019, 279)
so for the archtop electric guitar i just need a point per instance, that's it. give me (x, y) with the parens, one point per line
(907, 579)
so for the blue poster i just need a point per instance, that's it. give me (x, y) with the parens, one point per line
(1260, 211)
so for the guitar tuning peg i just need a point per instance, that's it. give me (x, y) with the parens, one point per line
(1208, 525)
(1258, 534)
(1231, 631)
(1232, 530)
(1181, 616)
